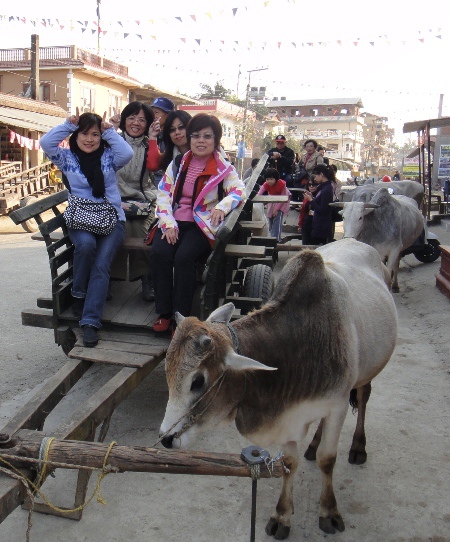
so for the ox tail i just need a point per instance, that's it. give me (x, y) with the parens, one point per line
(353, 400)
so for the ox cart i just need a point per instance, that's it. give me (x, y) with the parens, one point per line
(21, 188)
(239, 269)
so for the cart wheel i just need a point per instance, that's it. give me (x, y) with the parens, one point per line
(430, 253)
(29, 225)
(259, 282)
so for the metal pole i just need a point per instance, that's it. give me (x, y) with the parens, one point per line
(98, 26)
(247, 99)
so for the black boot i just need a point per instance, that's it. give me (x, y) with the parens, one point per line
(148, 293)
(90, 337)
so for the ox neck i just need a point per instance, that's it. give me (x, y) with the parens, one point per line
(234, 338)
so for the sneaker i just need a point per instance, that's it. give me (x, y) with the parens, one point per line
(90, 336)
(78, 306)
(162, 324)
(148, 292)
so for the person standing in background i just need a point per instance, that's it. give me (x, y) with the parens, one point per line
(282, 159)
(161, 107)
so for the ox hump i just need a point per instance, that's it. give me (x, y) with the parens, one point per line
(302, 280)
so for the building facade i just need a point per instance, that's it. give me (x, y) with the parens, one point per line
(69, 77)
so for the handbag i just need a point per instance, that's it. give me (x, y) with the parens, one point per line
(151, 232)
(299, 177)
(335, 215)
(98, 217)
(134, 208)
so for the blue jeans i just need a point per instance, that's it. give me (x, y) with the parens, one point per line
(91, 263)
(276, 225)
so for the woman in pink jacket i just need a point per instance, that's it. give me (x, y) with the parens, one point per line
(191, 205)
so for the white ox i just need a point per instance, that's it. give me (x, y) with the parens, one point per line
(412, 189)
(388, 223)
(329, 328)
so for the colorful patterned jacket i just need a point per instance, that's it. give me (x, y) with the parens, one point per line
(206, 193)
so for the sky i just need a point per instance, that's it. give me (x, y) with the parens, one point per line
(394, 54)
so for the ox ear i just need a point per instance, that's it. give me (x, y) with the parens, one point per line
(241, 363)
(178, 318)
(222, 315)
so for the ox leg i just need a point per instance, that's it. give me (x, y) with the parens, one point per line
(358, 454)
(311, 451)
(329, 518)
(279, 524)
(393, 264)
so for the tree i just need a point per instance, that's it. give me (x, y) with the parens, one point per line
(219, 91)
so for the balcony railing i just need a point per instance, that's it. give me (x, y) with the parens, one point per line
(66, 53)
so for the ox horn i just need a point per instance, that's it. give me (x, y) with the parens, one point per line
(371, 206)
(339, 204)
(242, 363)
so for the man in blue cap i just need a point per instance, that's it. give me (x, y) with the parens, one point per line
(161, 108)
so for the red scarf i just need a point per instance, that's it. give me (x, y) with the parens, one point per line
(276, 189)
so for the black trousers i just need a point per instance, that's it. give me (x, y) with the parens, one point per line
(174, 268)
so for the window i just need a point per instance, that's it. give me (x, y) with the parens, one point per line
(44, 91)
(1, 83)
(87, 99)
(329, 110)
(314, 112)
(115, 104)
(344, 111)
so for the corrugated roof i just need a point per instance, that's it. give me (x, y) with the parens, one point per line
(27, 104)
(28, 119)
(328, 101)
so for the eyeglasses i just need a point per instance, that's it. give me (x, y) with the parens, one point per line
(206, 137)
(141, 120)
(180, 128)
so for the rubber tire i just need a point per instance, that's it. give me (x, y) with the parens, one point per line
(259, 282)
(29, 226)
(429, 254)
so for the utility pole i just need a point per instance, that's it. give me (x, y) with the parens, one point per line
(247, 99)
(34, 77)
(98, 26)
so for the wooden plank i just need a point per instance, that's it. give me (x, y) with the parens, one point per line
(252, 224)
(110, 356)
(270, 199)
(12, 494)
(241, 251)
(54, 236)
(33, 414)
(38, 318)
(29, 211)
(103, 402)
(135, 338)
(129, 347)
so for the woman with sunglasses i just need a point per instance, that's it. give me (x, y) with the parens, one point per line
(191, 206)
(175, 142)
(305, 219)
(319, 208)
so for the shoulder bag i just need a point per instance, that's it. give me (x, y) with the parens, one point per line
(98, 217)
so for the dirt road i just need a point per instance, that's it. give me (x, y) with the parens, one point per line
(401, 494)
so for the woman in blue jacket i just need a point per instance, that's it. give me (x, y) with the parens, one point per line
(322, 223)
(95, 153)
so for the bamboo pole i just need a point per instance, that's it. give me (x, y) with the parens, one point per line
(79, 454)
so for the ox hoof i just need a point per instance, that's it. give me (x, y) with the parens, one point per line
(395, 289)
(357, 458)
(330, 524)
(310, 454)
(277, 530)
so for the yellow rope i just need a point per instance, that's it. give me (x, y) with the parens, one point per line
(35, 486)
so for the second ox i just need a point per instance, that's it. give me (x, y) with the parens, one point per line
(388, 223)
(288, 364)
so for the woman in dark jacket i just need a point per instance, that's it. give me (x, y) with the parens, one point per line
(322, 223)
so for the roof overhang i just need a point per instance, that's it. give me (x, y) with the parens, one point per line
(419, 125)
(416, 151)
(39, 122)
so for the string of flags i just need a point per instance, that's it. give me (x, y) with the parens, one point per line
(31, 144)
(147, 30)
